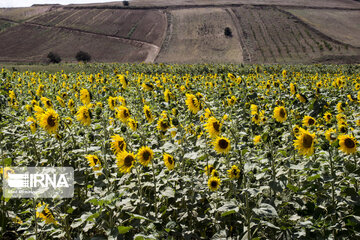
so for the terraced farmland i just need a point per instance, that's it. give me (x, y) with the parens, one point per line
(271, 35)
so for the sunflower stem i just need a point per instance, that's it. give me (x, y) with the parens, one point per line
(35, 219)
(154, 179)
(355, 163)
(139, 188)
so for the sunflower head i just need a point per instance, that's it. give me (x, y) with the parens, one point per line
(148, 114)
(257, 139)
(122, 113)
(280, 114)
(214, 183)
(163, 124)
(84, 115)
(327, 116)
(169, 161)
(6, 171)
(213, 127)
(49, 120)
(347, 144)
(193, 103)
(145, 155)
(234, 172)
(118, 144)
(308, 121)
(43, 212)
(32, 123)
(125, 161)
(301, 98)
(85, 96)
(222, 145)
(330, 135)
(133, 124)
(304, 143)
(94, 163)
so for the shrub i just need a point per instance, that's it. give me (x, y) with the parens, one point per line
(83, 56)
(54, 57)
(228, 32)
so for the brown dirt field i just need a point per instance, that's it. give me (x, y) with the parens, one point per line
(172, 3)
(197, 35)
(17, 48)
(19, 14)
(271, 36)
(147, 26)
(5, 24)
(341, 25)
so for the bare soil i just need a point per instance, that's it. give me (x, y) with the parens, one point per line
(198, 36)
(341, 25)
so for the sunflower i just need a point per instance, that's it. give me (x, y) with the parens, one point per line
(342, 128)
(304, 143)
(32, 122)
(61, 101)
(214, 183)
(132, 124)
(208, 169)
(234, 172)
(125, 161)
(330, 135)
(113, 102)
(297, 130)
(47, 102)
(45, 213)
(50, 121)
(257, 139)
(347, 144)
(163, 124)
(94, 163)
(256, 119)
(145, 155)
(85, 96)
(124, 82)
(308, 121)
(71, 105)
(254, 109)
(327, 116)
(280, 114)
(84, 115)
(351, 98)
(340, 107)
(231, 101)
(193, 103)
(148, 114)
(6, 172)
(213, 127)
(118, 144)
(167, 95)
(215, 173)
(222, 145)
(147, 86)
(301, 98)
(169, 161)
(38, 112)
(122, 113)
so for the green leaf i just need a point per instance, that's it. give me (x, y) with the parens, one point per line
(123, 229)
(228, 213)
(313, 178)
(265, 210)
(292, 188)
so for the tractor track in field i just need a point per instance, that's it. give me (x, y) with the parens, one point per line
(153, 49)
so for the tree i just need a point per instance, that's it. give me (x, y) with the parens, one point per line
(54, 57)
(83, 56)
(228, 32)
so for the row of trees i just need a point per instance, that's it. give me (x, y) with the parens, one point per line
(80, 56)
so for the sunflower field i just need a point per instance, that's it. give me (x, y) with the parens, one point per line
(186, 151)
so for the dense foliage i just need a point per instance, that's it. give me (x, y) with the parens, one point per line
(186, 152)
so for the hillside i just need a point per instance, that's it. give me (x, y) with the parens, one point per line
(275, 31)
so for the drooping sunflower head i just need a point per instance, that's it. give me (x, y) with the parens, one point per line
(214, 183)
(118, 144)
(32, 123)
(193, 103)
(330, 135)
(208, 169)
(342, 128)
(145, 155)
(50, 121)
(125, 161)
(213, 127)
(85, 96)
(6, 171)
(133, 124)
(148, 114)
(61, 101)
(47, 102)
(71, 104)
(280, 114)
(340, 107)
(163, 124)
(222, 145)
(304, 143)
(123, 113)
(301, 98)
(84, 115)
(257, 139)
(308, 121)
(256, 119)
(94, 163)
(327, 116)
(45, 214)
(113, 102)
(169, 161)
(347, 144)
(234, 172)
